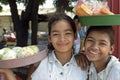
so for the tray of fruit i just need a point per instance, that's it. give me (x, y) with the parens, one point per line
(21, 56)
(96, 13)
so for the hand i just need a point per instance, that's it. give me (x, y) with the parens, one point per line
(5, 71)
(82, 60)
(8, 74)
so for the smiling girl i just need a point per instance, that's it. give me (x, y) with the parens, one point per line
(99, 45)
(60, 63)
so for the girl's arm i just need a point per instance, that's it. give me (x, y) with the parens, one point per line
(9, 75)
(82, 60)
(30, 71)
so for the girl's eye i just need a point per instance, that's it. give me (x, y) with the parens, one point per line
(69, 33)
(102, 43)
(89, 40)
(55, 34)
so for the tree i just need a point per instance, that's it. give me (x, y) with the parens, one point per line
(21, 22)
(62, 5)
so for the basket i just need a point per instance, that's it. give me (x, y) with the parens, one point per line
(13, 63)
(99, 20)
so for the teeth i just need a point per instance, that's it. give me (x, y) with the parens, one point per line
(93, 52)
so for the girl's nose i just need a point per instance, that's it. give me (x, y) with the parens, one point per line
(62, 37)
(95, 46)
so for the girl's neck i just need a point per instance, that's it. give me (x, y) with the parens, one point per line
(101, 65)
(63, 57)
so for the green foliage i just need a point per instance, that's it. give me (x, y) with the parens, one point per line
(20, 1)
(25, 2)
(60, 3)
(70, 9)
(0, 8)
(57, 3)
(70, 6)
(5, 2)
(41, 2)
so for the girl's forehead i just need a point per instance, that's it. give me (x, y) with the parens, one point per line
(99, 35)
(60, 21)
(98, 32)
(61, 25)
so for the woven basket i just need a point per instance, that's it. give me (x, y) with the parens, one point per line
(13, 63)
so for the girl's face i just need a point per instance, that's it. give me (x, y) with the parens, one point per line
(97, 46)
(62, 36)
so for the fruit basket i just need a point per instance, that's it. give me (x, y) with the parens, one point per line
(100, 20)
(13, 63)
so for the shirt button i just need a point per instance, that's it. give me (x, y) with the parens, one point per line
(61, 73)
(67, 64)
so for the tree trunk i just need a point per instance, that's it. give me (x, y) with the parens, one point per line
(25, 27)
(25, 18)
(21, 26)
(34, 19)
(16, 21)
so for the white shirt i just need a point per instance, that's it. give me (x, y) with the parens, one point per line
(51, 69)
(111, 72)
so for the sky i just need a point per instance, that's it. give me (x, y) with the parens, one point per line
(47, 4)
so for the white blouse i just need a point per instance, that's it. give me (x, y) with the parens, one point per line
(111, 72)
(51, 69)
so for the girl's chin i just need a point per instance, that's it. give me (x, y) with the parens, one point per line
(63, 50)
(90, 58)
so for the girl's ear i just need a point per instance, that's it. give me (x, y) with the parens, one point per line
(49, 38)
(112, 49)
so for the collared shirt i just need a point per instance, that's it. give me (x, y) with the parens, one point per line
(111, 72)
(51, 69)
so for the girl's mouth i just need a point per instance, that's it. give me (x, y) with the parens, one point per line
(92, 52)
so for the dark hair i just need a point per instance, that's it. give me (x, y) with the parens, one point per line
(58, 17)
(106, 29)
(76, 17)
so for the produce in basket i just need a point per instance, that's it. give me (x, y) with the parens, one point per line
(34, 48)
(9, 54)
(1, 53)
(26, 52)
(83, 10)
(18, 52)
(6, 49)
(92, 7)
(104, 10)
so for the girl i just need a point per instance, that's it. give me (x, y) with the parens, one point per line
(99, 45)
(60, 63)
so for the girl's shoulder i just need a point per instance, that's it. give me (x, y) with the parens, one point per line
(115, 64)
(47, 59)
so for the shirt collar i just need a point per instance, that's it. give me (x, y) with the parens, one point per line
(52, 59)
(104, 73)
(108, 68)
